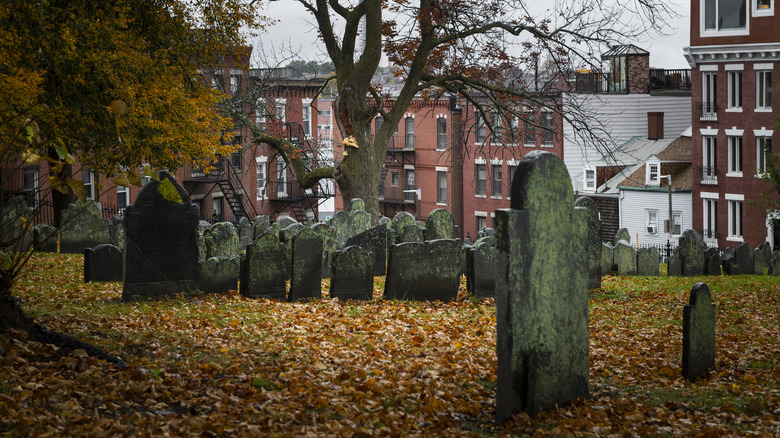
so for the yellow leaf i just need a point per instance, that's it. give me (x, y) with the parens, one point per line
(121, 180)
(169, 192)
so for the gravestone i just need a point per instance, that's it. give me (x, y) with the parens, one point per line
(400, 221)
(103, 263)
(439, 225)
(712, 261)
(219, 274)
(375, 241)
(625, 258)
(116, 231)
(350, 222)
(411, 233)
(306, 266)
(647, 261)
(201, 230)
(730, 266)
(541, 291)
(221, 240)
(593, 244)
(423, 271)
(775, 269)
(743, 256)
(607, 258)
(45, 238)
(758, 262)
(246, 233)
(481, 270)
(674, 266)
(486, 232)
(691, 249)
(328, 236)
(353, 278)
(698, 333)
(82, 227)
(622, 234)
(355, 205)
(260, 226)
(161, 243)
(15, 226)
(264, 271)
(766, 251)
(286, 221)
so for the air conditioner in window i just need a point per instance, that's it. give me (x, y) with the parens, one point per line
(652, 229)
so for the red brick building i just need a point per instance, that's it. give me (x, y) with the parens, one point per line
(734, 54)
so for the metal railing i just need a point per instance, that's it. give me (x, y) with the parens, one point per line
(661, 79)
(708, 111)
(709, 175)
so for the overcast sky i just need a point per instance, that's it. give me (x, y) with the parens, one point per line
(295, 30)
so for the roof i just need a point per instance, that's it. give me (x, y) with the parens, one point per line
(624, 50)
(635, 150)
(675, 160)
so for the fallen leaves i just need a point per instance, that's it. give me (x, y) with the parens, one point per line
(225, 365)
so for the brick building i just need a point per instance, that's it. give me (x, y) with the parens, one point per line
(735, 47)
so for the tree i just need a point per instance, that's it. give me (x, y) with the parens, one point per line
(114, 84)
(448, 47)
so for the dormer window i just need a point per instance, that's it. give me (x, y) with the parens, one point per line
(652, 174)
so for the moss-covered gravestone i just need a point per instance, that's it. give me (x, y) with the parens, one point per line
(411, 233)
(218, 274)
(758, 262)
(353, 278)
(350, 222)
(161, 242)
(45, 238)
(541, 291)
(221, 240)
(607, 258)
(424, 271)
(306, 266)
(15, 226)
(375, 241)
(83, 227)
(625, 258)
(264, 271)
(743, 257)
(439, 225)
(647, 261)
(400, 221)
(692, 251)
(594, 240)
(622, 234)
(698, 333)
(481, 270)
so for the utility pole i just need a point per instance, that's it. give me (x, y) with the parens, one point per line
(671, 218)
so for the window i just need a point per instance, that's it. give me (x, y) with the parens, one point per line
(547, 129)
(260, 111)
(677, 218)
(324, 113)
(481, 129)
(236, 157)
(735, 156)
(261, 163)
(409, 196)
(235, 82)
(763, 148)
(498, 126)
(722, 15)
(281, 178)
(479, 171)
(216, 79)
(735, 220)
(122, 198)
(409, 129)
(30, 184)
(529, 129)
(281, 110)
(306, 116)
(512, 168)
(763, 8)
(709, 108)
(651, 217)
(710, 219)
(735, 90)
(590, 179)
(217, 205)
(395, 179)
(652, 174)
(764, 90)
(441, 187)
(88, 178)
(441, 133)
(497, 179)
(709, 157)
(481, 224)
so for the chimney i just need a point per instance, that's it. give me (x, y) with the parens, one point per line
(655, 126)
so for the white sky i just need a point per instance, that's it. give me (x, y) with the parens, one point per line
(295, 30)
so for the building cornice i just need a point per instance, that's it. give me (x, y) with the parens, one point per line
(731, 53)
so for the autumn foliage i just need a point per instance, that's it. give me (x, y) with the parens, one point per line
(224, 365)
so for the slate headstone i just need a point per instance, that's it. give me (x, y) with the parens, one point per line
(743, 256)
(541, 291)
(305, 281)
(328, 236)
(83, 227)
(625, 258)
(15, 225)
(691, 248)
(423, 271)
(219, 274)
(161, 243)
(264, 271)
(411, 233)
(439, 225)
(400, 221)
(375, 241)
(766, 251)
(775, 269)
(698, 333)
(758, 262)
(674, 266)
(45, 238)
(607, 258)
(713, 261)
(647, 261)
(286, 221)
(103, 263)
(622, 234)
(594, 244)
(353, 278)
(481, 270)
(221, 240)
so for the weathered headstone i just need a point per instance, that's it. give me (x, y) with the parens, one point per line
(743, 256)
(375, 241)
(730, 266)
(758, 262)
(593, 244)
(83, 227)
(15, 225)
(647, 261)
(355, 205)
(161, 243)
(260, 226)
(713, 262)
(306, 266)
(698, 333)
(411, 233)
(424, 271)
(353, 278)
(439, 225)
(264, 272)
(775, 270)
(607, 258)
(103, 263)
(400, 221)
(622, 234)
(674, 266)
(116, 231)
(625, 258)
(286, 221)
(691, 248)
(219, 274)
(486, 232)
(221, 240)
(766, 250)
(541, 291)
(350, 222)
(481, 270)
(45, 238)
(328, 236)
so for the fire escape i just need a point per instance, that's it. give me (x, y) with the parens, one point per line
(401, 158)
(225, 175)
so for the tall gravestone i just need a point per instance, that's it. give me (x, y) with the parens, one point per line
(692, 251)
(350, 222)
(698, 333)
(594, 243)
(221, 240)
(264, 272)
(607, 258)
(424, 271)
(481, 270)
(328, 236)
(353, 278)
(161, 243)
(743, 257)
(306, 266)
(541, 291)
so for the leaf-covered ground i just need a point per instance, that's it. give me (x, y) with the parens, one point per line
(224, 365)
